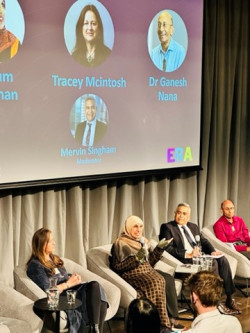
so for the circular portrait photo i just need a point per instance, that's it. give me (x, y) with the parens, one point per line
(167, 41)
(88, 119)
(11, 29)
(89, 33)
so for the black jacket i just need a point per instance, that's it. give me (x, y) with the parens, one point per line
(176, 248)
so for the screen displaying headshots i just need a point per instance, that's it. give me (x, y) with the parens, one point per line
(98, 88)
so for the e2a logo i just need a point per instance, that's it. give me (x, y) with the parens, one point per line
(179, 154)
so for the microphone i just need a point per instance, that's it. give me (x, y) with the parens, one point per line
(144, 246)
(142, 241)
(197, 238)
(198, 241)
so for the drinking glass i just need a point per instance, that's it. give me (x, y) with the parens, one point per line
(203, 263)
(196, 261)
(71, 296)
(209, 264)
(53, 297)
(52, 282)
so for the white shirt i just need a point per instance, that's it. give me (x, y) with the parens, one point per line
(187, 245)
(215, 322)
(92, 133)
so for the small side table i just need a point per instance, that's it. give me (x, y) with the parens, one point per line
(63, 305)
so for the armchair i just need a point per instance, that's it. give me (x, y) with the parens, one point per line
(98, 262)
(242, 263)
(28, 288)
(16, 312)
(3, 327)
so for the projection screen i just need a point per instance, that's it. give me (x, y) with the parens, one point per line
(94, 89)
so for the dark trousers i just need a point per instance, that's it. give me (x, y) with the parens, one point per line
(171, 297)
(225, 273)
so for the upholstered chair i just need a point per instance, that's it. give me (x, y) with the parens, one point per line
(16, 312)
(28, 288)
(98, 262)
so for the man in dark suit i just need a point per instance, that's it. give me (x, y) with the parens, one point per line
(185, 246)
(89, 132)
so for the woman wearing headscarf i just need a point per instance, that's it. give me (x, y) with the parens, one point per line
(132, 258)
(8, 41)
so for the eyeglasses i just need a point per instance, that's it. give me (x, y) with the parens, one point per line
(229, 208)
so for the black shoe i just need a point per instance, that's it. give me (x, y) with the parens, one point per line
(233, 306)
(176, 326)
(226, 310)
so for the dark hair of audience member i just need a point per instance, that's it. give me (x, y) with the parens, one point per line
(142, 316)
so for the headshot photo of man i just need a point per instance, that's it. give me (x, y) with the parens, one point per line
(165, 51)
(89, 117)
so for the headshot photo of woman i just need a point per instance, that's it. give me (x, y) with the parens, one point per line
(44, 264)
(90, 48)
(9, 42)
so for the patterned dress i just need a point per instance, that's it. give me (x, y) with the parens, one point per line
(142, 276)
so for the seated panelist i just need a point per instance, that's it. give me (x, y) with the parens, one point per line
(43, 264)
(230, 228)
(133, 259)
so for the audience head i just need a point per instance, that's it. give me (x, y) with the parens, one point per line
(205, 290)
(182, 213)
(142, 316)
(133, 227)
